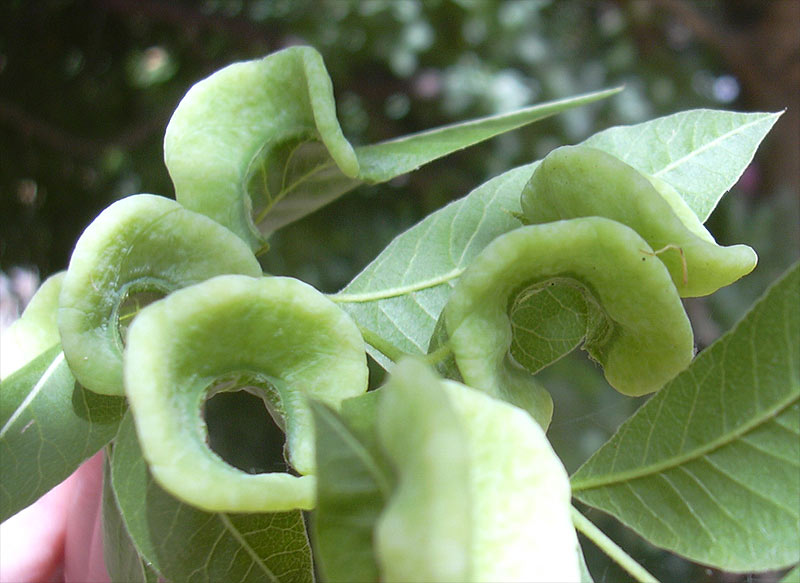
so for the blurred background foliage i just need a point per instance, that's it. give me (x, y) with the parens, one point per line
(87, 87)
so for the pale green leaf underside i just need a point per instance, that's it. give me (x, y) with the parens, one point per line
(710, 467)
(701, 153)
(398, 298)
(50, 425)
(185, 544)
(400, 295)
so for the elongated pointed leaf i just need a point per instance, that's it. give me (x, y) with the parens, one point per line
(185, 544)
(354, 483)
(701, 153)
(384, 161)
(710, 467)
(398, 298)
(257, 145)
(49, 425)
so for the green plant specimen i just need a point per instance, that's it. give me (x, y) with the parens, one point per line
(257, 145)
(444, 472)
(706, 440)
(140, 248)
(442, 436)
(274, 336)
(580, 181)
(625, 310)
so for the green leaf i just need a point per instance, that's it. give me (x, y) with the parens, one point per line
(397, 299)
(701, 153)
(122, 560)
(354, 482)
(710, 467)
(309, 177)
(384, 161)
(187, 545)
(257, 145)
(547, 323)
(49, 425)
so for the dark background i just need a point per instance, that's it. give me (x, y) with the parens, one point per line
(87, 87)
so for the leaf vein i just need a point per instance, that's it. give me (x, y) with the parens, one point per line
(230, 527)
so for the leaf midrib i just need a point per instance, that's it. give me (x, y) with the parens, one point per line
(673, 462)
(707, 146)
(387, 293)
(287, 189)
(37, 388)
(361, 452)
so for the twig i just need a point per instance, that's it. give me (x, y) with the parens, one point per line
(610, 548)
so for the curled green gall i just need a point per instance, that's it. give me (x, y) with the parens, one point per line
(630, 316)
(235, 135)
(276, 337)
(579, 181)
(138, 249)
(35, 331)
(481, 495)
